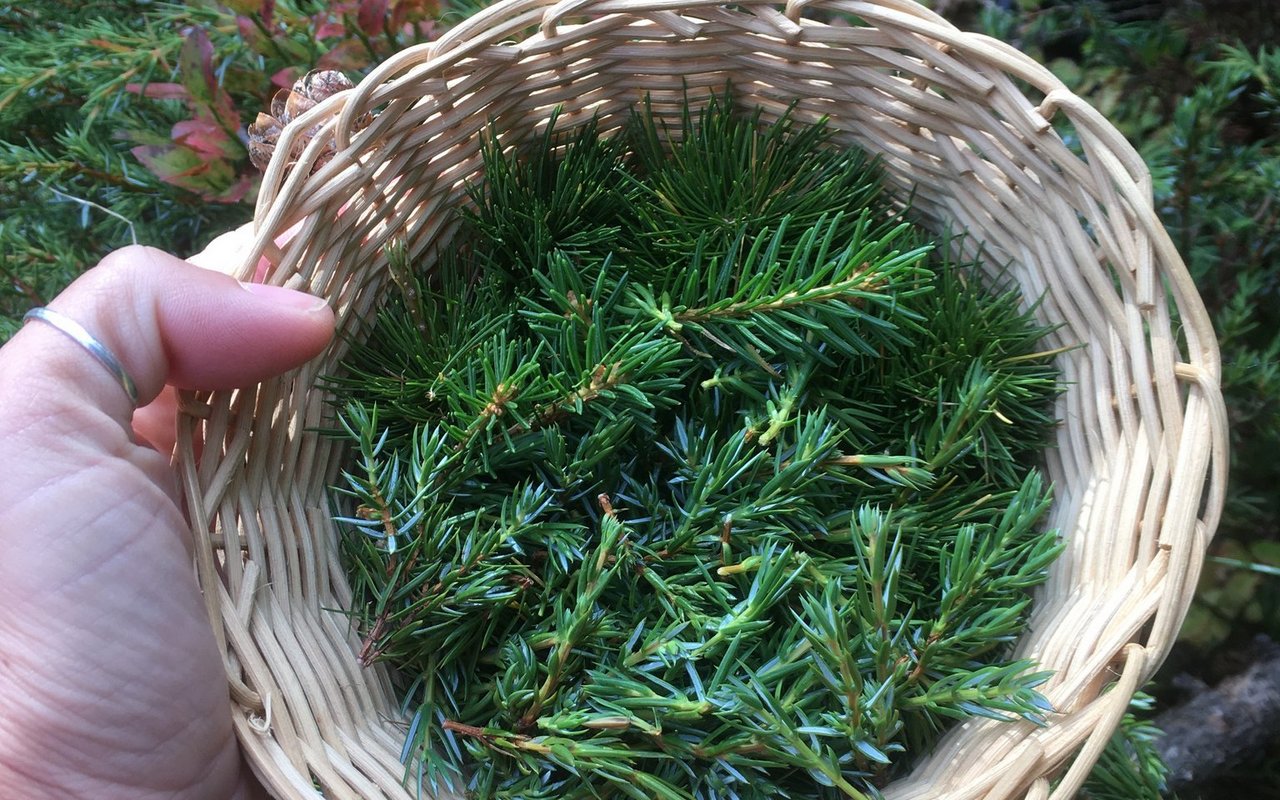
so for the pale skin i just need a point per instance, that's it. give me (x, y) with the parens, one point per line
(111, 685)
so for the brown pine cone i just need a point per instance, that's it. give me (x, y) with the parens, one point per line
(307, 92)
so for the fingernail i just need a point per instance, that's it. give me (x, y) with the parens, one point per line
(286, 297)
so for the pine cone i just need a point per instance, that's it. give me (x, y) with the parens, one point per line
(307, 92)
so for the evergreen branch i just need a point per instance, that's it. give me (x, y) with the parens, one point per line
(59, 168)
(592, 579)
(604, 378)
(28, 291)
(796, 749)
(815, 570)
(840, 293)
(994, 692)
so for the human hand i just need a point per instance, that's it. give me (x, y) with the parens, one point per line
(110, 681)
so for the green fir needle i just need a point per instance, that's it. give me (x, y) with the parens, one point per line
(695, 471)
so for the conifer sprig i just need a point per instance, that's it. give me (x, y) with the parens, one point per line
(722, 172)
(771, 290)
(750, 523)
(534, 203)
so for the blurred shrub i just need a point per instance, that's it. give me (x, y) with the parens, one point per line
(124, 120)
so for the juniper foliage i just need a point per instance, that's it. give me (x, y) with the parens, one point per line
(654, 503)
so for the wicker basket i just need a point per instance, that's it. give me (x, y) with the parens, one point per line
(964, 120)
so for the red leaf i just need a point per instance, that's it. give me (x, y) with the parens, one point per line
(214, 181)
(406, 11)
(249, 32)
(346, 56)
(371, 16)
(170, 163)
(206, 95)
(204, 137)
(267, 13)
(195, 65)
(285, 77)
(421, 31)
(233, 193)
(330, 29)
(159, 91)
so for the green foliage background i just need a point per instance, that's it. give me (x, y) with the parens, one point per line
(91, 159)
(124, 120)
(1196, 88)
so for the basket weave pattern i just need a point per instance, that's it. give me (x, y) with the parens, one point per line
(973, 128)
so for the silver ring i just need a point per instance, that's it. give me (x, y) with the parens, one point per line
(86, 340)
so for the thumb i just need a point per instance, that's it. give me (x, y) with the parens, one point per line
(167, 322)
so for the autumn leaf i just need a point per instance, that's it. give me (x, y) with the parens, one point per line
(330, 29)
(206, 137)
(408, 11)
(159, 91)
(206, 95)
(372, 16)
(195, 66)
(284, 78)
(213, 180)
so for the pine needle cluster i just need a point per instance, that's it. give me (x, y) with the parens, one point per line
(697, 471)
